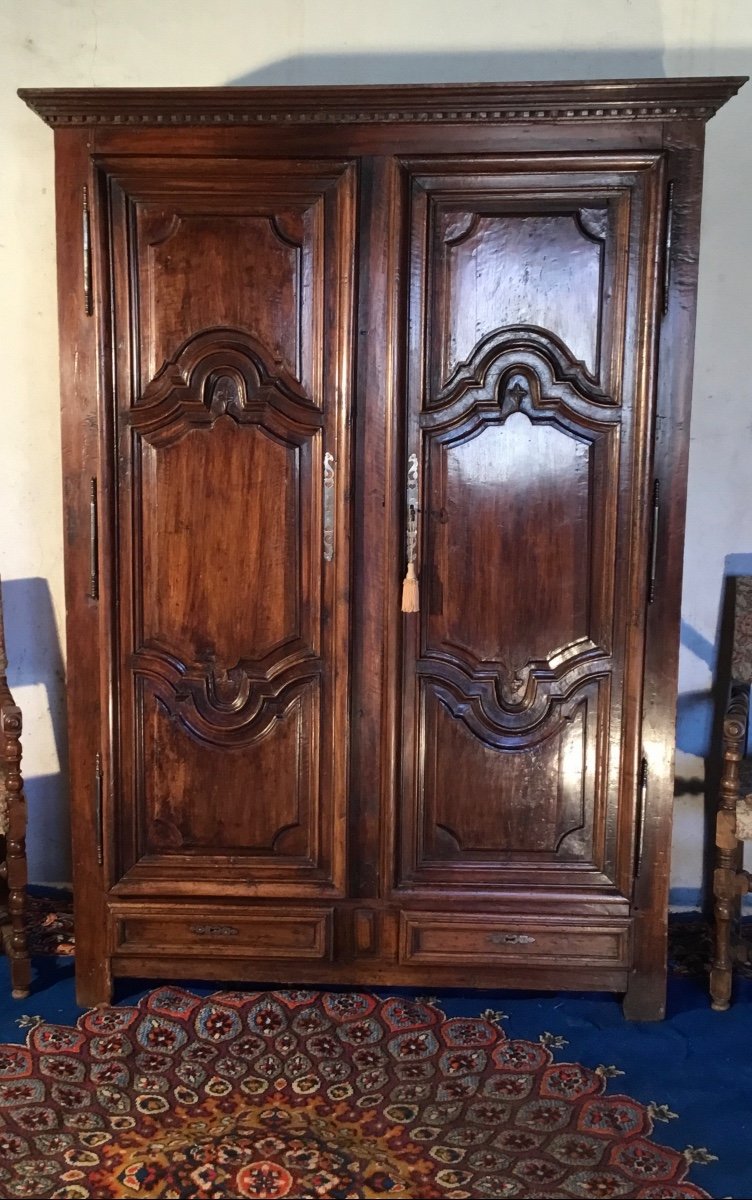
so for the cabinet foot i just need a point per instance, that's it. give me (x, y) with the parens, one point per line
(94, 990)
(645, 998)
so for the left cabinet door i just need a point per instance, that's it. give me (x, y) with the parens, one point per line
(230, 326)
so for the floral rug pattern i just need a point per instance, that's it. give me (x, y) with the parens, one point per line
(49, 924)
(308, 1094)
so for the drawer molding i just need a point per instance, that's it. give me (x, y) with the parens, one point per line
(445, 939)
(233, 933)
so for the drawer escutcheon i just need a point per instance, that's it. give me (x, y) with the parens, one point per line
(215, 930)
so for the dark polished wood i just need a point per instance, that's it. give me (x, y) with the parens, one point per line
(525, 403)
(298, 297)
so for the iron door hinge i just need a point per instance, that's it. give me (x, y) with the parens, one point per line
(86, 251)
(668, 234)
(99, 807)
(93, 541)
(642, 799)
(654, 522)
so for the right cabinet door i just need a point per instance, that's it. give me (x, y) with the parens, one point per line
(533, 294)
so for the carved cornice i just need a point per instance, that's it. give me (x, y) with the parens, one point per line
(495, 103)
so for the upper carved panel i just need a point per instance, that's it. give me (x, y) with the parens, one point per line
(599, 100)
(501, 268)
(219, 268)
(501, 244)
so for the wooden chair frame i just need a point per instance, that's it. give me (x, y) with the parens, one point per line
(734, 814)
(12, 834)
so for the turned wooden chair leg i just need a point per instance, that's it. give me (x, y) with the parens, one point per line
(721, 968)
(20, 964)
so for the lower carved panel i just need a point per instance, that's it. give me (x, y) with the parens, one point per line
(257, 799)
(485, 806)
(257, 816)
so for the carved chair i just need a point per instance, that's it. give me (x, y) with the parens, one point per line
(12, 834)
(734, 817)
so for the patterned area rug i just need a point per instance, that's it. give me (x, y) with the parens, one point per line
(691, 948)
(49, 924)
(304, 1094)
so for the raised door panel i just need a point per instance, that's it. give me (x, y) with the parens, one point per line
(231, 326)
(528, 410)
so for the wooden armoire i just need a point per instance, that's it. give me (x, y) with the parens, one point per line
(313, 339)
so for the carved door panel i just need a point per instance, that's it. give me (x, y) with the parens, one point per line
(529, 407)
(231, 328)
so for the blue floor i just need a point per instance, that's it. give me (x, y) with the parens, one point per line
(697, 1062)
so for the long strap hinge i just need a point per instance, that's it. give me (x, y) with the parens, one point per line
(99, 807)
(93, 541)
(667, 244)
(642, 799)
(86, 252)
(654, 525)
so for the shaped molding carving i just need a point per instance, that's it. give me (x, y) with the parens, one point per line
(228, 706)
(592, 223)
(558, 380)
(487, 699)
(216, 373)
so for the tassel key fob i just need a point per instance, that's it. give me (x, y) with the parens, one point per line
(410, 586)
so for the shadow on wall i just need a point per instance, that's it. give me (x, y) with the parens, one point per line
(696, 711)
(453, 66)
(35, 660)
(499, 65)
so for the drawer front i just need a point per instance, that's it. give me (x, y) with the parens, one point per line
(445, 940)
(226, 932)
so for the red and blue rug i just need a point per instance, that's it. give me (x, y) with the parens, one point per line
(305, 1094)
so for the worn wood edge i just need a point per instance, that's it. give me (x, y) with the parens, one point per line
(696, 97)
(80, 385)
(646, 993)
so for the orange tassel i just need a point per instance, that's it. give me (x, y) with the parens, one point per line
(410, 590)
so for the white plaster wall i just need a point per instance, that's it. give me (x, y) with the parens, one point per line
(204, 42)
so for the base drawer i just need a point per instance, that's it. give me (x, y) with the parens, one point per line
(227, 931)
(447, 939)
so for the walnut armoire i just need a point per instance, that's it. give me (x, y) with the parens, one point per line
(309, 337)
